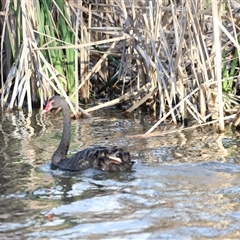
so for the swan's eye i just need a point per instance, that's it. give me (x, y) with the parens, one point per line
(118, 154)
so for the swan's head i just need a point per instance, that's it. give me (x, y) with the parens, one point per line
(53, 102)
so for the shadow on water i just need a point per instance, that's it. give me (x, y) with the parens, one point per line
(183, 185)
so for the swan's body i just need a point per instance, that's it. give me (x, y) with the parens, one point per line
(105, 158)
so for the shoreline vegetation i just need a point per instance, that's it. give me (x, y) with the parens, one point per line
(177, 59)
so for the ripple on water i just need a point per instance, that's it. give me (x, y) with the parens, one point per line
(179, 188)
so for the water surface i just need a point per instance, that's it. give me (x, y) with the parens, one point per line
(184, 185)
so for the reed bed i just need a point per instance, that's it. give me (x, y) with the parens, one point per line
(178, 58)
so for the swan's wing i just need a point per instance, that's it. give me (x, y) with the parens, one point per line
(87, 158)
(79, 161)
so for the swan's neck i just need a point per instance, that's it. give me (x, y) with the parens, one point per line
(62, 149)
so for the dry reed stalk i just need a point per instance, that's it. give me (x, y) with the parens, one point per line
(124, 47)
(76, 59)
(218, 61)
(2, 42)
(96, 67)
(84, 61)
(140, 102)
(126, 96)
(83, 45)
(180, 102)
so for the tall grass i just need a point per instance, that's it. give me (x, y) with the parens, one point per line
(179, 58)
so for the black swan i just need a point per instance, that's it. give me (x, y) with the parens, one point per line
(105, 158)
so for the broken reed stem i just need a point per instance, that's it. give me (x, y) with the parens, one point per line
(157, 134)
(79, 46)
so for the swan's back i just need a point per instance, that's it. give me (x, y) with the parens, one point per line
(104, 158)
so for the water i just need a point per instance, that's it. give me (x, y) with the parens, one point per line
(183, 185)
